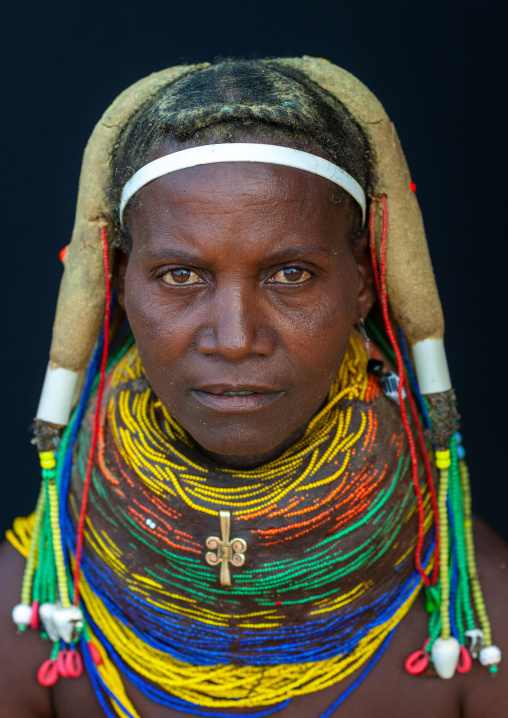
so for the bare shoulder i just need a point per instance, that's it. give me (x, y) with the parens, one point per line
(21, 654)
(487, 694)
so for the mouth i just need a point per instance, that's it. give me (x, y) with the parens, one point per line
(227, 399)
(237, 393)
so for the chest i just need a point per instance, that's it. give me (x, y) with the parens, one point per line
(386, 691)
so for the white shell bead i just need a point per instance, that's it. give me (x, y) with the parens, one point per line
(68, 621)
(22, 614)
(477, 640)
(46, 611)
(490, 656)
(445, 656)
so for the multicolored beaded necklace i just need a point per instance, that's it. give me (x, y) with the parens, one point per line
(301, 621)
(195, 643)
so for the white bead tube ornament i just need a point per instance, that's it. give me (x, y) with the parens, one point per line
(431, 366)
(57, 395)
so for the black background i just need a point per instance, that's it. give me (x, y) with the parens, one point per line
(440, 71)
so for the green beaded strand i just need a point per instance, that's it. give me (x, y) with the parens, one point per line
(464, 610)
(470, 555)
(444, 574)
(33, 554)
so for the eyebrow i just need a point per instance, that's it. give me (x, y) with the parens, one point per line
(170, 254)
(282, 255)
(297, 252)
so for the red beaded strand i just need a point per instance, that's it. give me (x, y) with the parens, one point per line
(91, 455)
(380, 278)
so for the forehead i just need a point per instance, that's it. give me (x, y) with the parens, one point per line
(235, 188)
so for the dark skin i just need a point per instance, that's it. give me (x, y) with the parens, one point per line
(236, 283)
(244, 279)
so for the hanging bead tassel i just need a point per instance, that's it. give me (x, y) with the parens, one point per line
(22, 614)
(45, 594)
(452, 623)
(445, 650)
(489, 655)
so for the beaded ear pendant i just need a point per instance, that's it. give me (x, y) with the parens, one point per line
(389, 380)
(390, 383)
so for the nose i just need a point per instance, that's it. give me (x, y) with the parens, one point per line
(238, 328)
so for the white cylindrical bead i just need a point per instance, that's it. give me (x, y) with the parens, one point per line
(431, 366)
(58, 390)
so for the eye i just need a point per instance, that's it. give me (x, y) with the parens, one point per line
(291, 275)
(181, 276)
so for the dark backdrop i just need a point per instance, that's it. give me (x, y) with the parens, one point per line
(439, 69)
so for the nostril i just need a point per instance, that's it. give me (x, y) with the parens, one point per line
(206, 343)
(235, 344)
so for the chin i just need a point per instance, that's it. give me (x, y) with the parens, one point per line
(239, 443)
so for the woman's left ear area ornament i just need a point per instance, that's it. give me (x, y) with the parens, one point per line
(58, 390)
(57, 395)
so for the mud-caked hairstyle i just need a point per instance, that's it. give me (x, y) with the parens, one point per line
(262, 99)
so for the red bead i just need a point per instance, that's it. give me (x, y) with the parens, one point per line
(73, 664)
(34, 621)
(413, 187)
(62, 253)
(465, 662)
(278, 603)
(417, 662)
(96, 656)
(60, 664)
(47, 675)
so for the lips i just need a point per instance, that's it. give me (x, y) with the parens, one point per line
(227, 398)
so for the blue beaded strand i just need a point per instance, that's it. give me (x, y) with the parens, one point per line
(340, 700)
(414, 381)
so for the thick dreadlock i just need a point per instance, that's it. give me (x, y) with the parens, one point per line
(254, 98)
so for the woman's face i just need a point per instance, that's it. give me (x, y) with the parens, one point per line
(241, 289)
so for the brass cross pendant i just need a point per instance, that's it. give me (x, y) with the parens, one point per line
(225, 551)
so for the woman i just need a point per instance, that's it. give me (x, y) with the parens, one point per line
(242, 514)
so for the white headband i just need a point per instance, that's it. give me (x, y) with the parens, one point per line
(242, 152)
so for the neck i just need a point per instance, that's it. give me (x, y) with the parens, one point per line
(252, 461)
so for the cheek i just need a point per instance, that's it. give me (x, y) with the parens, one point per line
(322, 327)
(160, 331)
